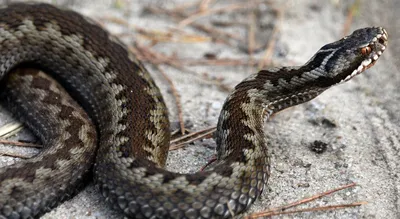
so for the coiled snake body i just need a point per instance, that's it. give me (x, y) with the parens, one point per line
(131, 121)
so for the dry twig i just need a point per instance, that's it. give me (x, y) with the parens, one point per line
(280, 210)
(251, 35)
(323, 208)
(15, 155)
(216, 62)
(10, 129)
(20, 144)
(209, 12)
(353, 10)
(204, 5)
(213, 32)
(182, 141)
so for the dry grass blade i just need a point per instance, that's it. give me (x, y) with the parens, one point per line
(349, 19)
(16, 155)
(209, 12)
(156, 35)
(146, 54)
(214, 33)
(216, 62)
(185, 6)
(186, 139)
(303, 201)
(313, 197)
(172, 35)
(10, 129)
(217, 34)
(266, 60)
(20, 144)
(251, 36)
(323, 208)
(227, 8)
(205, 5)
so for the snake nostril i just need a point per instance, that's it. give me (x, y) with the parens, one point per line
(381, 41)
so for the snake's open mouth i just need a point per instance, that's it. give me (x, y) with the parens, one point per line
(374, 50)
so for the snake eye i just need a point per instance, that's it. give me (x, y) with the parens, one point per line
(366, 50)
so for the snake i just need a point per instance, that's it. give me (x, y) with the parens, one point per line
(100, 115)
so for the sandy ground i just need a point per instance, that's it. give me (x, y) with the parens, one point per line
(358, 120)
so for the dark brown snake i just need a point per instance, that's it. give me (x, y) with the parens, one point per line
(131, 120)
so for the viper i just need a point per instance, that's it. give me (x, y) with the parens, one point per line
(99, 108)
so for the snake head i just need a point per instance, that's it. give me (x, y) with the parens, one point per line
(342, 60)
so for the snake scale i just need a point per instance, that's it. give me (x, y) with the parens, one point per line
(124, 113)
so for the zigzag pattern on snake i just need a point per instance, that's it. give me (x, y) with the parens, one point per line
(131, 120)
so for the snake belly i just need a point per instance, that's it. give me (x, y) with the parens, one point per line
(131, 119)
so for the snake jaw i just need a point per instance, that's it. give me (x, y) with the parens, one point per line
(373, 51)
